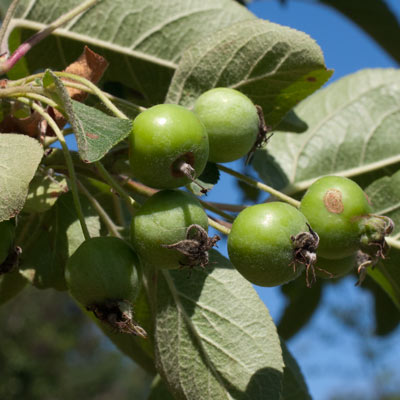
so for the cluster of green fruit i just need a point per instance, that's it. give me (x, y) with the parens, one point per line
(332, 232)
(169, 147)
(269, 244)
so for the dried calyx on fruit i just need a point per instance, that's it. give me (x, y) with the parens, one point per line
(373, 244)
(168, 146)
(118, 315)
(170, 231)
(103, 275)
(374, 230)
(271, 244)
(195, 246)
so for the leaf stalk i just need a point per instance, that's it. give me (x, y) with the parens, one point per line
(261, 186)
(25, 47)
(68, 159)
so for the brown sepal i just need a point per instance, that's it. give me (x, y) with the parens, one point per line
(89, 65)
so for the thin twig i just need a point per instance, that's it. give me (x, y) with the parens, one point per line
(68, 160)
(236, 208)
(85, 86)
(138, 187)
(116, 186)
(49, 140)
(108, 222)
(208, 206)
(261, 186)
(392, 242)
(98, 92)
(218, 226)
(37, 97)
(20, 90)
(42, 34)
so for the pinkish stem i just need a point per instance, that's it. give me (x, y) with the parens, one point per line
(39, 36)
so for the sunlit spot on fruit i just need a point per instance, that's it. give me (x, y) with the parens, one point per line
(267, 219)
(161, 121)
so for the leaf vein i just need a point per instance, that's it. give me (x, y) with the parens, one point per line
(167, 22)
(315, 129)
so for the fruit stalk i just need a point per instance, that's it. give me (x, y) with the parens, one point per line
(210, 207)
(216, 225)
(71, 171)
(393, 242)
(131, 203)
(108, 222)
(261, 186)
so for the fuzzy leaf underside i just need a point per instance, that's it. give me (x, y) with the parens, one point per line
(353, 127)
(96, 132)
(44, 191)
(142, 41)
(20, 157)
(274, 65)
(214, 338)
(384, 195)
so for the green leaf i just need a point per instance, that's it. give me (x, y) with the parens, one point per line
(300, 307)
(96, 133)
(159, 390)
(20, 157)
(294, 385)
(3, 7)
(141, 41)
(275, 66)
(43, 263)
(372, 16)
(11, 284)
(387, 316)
(110, 201)
(353, 127)
(214, 338)
(208, 178)
(44, 191)
(384, 195)
(387, 275)
(292, 123)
